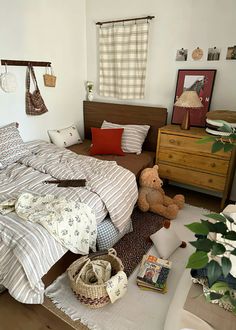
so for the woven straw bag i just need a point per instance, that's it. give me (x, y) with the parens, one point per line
(49, 78)
(34, 103)
(93, 296)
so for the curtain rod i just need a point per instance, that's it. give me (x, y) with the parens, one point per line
(24, 63)
(126, 20)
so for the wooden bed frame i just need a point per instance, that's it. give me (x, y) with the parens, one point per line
(94, 114)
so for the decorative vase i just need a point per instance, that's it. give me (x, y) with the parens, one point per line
(90, 96)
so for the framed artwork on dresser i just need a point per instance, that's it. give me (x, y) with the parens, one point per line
(201, 81)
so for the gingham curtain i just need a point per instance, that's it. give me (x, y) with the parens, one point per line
(123, 58)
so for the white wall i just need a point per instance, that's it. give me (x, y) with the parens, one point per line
(52, 31)
(182, 23)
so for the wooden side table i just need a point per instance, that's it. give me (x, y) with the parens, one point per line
(183, 160)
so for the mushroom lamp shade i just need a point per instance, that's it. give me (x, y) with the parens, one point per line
(188, 100)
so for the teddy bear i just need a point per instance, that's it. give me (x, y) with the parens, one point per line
(152, 197)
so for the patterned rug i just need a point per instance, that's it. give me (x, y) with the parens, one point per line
(150, 308)
(134, 245)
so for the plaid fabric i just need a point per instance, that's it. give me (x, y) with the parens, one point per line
(123, 57)
(108, 235)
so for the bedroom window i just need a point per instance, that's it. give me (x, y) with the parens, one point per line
(122, 60)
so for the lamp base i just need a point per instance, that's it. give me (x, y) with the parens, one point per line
(186, 120)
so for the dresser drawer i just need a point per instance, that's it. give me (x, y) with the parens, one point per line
(191, 177)
(189, 145)
(202, 163)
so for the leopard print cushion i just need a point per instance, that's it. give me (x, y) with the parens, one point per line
(12, 147)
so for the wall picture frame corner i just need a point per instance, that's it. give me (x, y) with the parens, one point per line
(200, 80)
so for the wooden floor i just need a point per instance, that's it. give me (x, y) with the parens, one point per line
(16, 316)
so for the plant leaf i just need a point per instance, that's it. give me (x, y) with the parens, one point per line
(204, 244)
(216, 216)
(226, 266)
(217, 146)
(228, 147)
(198, 228)
(220, 286)
(225, 128)
(197, 260)
(213, 272)
(231, 235)
(220, 227)
(206, 139)
(218, 249)
(214, 296)
(209, 225)
(233, 252)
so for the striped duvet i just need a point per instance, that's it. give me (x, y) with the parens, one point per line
(27, 251)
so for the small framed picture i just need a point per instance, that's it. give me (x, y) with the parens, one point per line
(201, 81)
(181, 55)
(213, 54)
(231, 53)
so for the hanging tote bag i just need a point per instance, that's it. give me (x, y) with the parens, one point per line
(34, 102)
(49, 78)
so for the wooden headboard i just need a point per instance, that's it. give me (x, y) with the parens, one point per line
(96, 112)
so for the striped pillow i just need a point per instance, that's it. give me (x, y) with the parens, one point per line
(132, 138)
(12, 148)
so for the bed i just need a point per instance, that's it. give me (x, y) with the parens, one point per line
(48, 161)
(96, 112)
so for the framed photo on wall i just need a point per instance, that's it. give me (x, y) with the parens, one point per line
(201, 81)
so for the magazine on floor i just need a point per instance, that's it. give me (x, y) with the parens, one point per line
(153, 273)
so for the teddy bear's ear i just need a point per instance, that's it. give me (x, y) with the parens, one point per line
(156, 167)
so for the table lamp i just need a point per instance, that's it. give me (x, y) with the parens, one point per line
(188, 100)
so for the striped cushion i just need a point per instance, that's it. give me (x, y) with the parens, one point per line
(133, 136)
(12, 148)
(108, 235)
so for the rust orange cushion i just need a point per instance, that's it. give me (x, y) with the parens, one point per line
(106, 141)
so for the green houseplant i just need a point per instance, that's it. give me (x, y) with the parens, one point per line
(214, 240)
(227, 143)
(213, 250)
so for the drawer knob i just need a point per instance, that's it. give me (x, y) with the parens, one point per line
(170, 156)
(213, 164)
(172, 141)
(210, 180)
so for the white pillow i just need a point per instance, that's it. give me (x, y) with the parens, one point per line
(65, 137)
(166, 242)
(132, 137)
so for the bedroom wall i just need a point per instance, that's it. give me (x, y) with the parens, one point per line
(183, 23)
(45, 30)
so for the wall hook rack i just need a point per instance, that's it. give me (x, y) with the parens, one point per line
(24, 63)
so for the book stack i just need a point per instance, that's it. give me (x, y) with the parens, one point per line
(153, 274)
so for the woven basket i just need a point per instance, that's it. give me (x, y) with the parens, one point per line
(93, 296)
(49, 80)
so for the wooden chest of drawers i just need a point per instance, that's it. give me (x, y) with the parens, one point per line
(183, 160)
